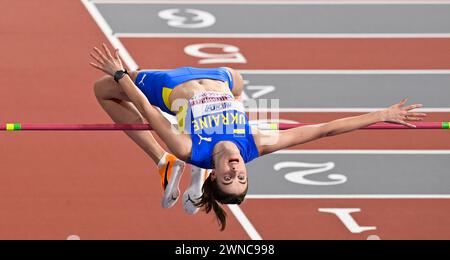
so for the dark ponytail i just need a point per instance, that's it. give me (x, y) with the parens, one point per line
(212, 196)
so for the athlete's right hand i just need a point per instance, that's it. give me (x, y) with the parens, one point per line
(106, 62)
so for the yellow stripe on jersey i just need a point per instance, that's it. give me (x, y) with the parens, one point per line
(166, 97)
(239, 131)
(181, 117)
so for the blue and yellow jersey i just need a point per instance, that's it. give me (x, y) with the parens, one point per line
(158, 85)
(217, 117)
(209, 118)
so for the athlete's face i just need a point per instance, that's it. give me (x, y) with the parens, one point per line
(231, 176)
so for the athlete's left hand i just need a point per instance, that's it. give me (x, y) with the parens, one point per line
(106, 62)
(400, 114)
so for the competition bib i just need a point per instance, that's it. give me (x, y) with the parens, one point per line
(209, 103)
(217, 112)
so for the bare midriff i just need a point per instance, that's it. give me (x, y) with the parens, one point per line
(183, 92)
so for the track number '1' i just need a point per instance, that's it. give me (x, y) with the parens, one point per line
(346, 218)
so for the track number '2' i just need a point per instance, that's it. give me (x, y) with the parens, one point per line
(299, 176)
(200, 19)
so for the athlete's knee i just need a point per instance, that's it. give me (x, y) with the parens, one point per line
(102, 85)
(106, 87)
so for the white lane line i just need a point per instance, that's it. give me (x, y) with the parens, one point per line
(116, 43)
(108, 32)
(383, 196)
(286, 35)
(245, 222)
(269, 2)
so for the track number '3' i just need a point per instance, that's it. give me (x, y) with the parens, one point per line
(200, 19)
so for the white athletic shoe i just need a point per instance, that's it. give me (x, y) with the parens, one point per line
(171, 170)
(194, 192)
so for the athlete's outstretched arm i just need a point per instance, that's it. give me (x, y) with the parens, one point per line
(395, 114)
(179, 144)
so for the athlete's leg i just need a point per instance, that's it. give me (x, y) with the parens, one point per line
(121, 110)
(118, 106)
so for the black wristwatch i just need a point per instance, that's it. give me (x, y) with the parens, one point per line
(120, 74)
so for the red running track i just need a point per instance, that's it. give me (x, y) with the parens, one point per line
(96, 185)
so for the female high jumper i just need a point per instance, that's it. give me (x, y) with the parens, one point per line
(214, 131)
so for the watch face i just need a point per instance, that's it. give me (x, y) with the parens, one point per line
(119, 75)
